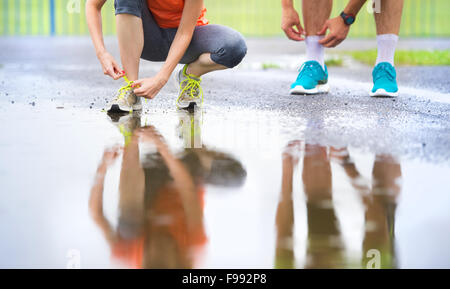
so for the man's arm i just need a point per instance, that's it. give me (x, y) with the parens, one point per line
(289, 20)
(338, 29)
(354, 6)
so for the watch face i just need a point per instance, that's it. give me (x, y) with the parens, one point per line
(350, 20)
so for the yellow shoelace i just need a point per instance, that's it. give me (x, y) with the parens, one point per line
(124, 89)
(191, 86)
(127, 134)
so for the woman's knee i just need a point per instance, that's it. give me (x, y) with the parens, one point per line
(133, 7)
(233, 50)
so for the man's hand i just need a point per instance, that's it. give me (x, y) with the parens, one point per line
(289, 20)
(149, 87)
(338, 32)
(110, 66)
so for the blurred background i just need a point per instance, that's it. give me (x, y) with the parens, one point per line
(422, 18)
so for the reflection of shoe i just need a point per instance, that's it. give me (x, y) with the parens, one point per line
(190, 128)
(126, 123)
(384, 80)
(125, 100)
(312, 79)
(190, 90)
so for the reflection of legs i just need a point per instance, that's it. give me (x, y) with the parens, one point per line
(131, 187)
(388, 26)
(380, 211)
(131, 42)
(324, 247)
(284, 255)
(317, 174)
(315, 13)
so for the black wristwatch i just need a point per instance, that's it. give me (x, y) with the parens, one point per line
(349, 19)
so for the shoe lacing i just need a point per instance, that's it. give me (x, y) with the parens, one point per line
(307, 69)
(384, 70)
(192, 87)
(124, 89)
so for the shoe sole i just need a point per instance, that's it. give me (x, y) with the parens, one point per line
(115, 108)
(188, 105)
(321, 88)
(383, 93)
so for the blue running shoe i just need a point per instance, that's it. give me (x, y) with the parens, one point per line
(384, 80)
(312, 79)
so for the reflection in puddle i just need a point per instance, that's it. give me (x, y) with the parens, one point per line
(325, 246)
(161, 193)
(257, 197)
(336, 208)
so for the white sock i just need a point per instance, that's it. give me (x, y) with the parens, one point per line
(314, 50)
(386, 48)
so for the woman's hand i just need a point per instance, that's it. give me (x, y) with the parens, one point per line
(149, 87)
(149, 134)
(110, 66)
(110, 155)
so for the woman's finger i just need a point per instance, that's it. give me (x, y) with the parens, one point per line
(118, 70)
(139, 91)
(137, 83)
(110, 72)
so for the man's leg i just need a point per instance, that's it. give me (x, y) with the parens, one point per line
(315, 13)
(315, 80)
(388, 26)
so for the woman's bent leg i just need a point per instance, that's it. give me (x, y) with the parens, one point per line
(214, 47)
(203, 65)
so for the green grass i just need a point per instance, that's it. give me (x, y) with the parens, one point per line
(335, 61)
(421, 18)
(266, 66)
(407, 57)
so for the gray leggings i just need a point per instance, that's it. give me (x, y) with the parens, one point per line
(226, 46)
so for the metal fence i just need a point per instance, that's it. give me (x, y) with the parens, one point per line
(421, 18)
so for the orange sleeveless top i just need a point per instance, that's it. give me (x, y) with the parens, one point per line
(167, 13)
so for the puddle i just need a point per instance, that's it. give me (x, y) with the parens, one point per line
(207, 189)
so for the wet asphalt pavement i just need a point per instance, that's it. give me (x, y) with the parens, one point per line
(54, 133)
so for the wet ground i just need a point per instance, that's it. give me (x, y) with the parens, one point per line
(257, 179)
